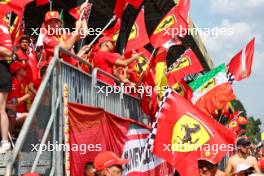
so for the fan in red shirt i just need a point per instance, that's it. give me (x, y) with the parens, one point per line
(29, 60)
(18, 94)
(55, 38)
(105, 59)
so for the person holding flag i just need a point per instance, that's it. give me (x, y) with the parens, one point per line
(53, 23)
(105, 59)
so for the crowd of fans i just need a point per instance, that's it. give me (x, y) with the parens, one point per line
(247, 160)
(23, 66)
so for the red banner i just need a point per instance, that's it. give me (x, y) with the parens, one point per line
(93, 130)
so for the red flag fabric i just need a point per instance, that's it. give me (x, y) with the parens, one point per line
(138, 37)
(137, 68)
(149, 103)
(188, 63)
(183, 8)
(93, 130)
(18, 28)
(3, 15)
(212, 90)
(42, 2)
(76, 12)
(184, 133)
(172, 26)
(121, 5)
(16, 5)
(241, 64)
(135, 3)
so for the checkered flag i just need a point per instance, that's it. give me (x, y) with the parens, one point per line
(230, 77)
(152, 135)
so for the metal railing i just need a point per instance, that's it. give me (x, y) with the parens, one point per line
(45, 121)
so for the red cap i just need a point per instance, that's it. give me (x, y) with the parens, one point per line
(31, 174)
(105, 39)
(106, 159)
(52, 15)
(15, 66)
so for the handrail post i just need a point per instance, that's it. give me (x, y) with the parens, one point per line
(94, 83)
(60, 123)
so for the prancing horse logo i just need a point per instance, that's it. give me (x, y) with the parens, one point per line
(188, 134)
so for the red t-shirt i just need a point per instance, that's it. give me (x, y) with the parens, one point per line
(50, 43)
(24, 59)
(18, 91)
(105, 60)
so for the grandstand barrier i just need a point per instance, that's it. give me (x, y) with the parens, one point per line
(45, 122)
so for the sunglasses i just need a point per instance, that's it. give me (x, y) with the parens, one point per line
(207, 165)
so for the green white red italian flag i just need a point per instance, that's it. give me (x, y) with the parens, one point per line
(212, 91)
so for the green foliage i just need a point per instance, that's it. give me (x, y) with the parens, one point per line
(238, 106)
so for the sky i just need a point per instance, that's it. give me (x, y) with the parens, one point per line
(243, 20)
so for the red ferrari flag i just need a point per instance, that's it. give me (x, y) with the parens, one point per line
(184, 133)
(138, 36)
(181, 87)
(188, 63)
(137, 68)
(172, 26)
(240, 65)
(41, 2)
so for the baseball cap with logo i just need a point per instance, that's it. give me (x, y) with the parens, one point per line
(106, 159)
(105, 39)
(52, 15)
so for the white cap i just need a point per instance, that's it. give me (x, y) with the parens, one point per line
(242, 167)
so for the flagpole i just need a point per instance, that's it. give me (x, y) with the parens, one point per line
(82, 13)
(101, 32)
(10, 16)
(50, 2)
